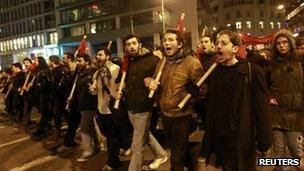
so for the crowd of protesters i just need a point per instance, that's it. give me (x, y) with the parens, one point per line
(247, 107)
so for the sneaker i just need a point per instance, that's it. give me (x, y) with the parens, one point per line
(107, 168)
(85, 156)
(63, 149)
(125, 153)
(54, 138)
(156, 163)
(201, 159)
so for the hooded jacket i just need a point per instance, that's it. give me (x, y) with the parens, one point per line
(285, 84)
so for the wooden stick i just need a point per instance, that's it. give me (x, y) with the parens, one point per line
(25, 83)
(9, 90)
(159, 73)
(199, 83)
(122, 81)
(109, 45)
(31, 83)
(71, 93)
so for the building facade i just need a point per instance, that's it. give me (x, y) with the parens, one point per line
(105, 20)
(44, 27)
(253, 17)
(295, 17)
(27, 28)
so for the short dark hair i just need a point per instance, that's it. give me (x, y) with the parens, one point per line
(18, 65)
(27, 59)
(70, 56)
(179, 35)
(208, 34)
(233, 36)
(55, 59)
(130, 36)
(106, 51)
(85, 57)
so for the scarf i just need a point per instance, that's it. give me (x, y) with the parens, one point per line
(104, 74)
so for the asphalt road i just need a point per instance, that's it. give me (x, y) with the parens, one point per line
(19, 151)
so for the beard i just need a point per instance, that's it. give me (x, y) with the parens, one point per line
(101, 62)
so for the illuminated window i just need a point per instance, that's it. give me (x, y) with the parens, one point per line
(1, 46)
(261, 23)
(93, 28)
(42, 39)
(15, 44)
(38, 40)
(31, 41)
(238, 25)
(25, 42)
(18, 43)
(279, 25)
(56, 37)
(271, 25)
(248, 24)
(10, 44)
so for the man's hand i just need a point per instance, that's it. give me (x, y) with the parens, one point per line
(117, 95)
(260, 154)
(147, 81)
(153, 85)
(273, 101)
(92, 87)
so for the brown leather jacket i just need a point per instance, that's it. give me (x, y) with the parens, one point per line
(175, 76)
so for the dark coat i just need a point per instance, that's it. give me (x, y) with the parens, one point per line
(250, 121)
(43, 81)
(286, 85)
(139, 68)
(85, 100)
(58, 92)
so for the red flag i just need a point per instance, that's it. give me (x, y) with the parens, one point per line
(124, 63)
(82, 46)
(180, 24)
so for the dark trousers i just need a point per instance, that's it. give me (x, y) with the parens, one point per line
(44, 103)
(74, 118)
(9, 104)
(176, 130)
(108, 125)
(17, 107)
(123, 124)
(59, 113)
(28, 106)
(225, 151)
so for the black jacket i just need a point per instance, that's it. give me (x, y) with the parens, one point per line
(58, 92)
(85, 100)
(43, 82)
(139, 68)
(18, 81)
(250, 115)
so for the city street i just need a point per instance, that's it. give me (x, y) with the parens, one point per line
(20, 152)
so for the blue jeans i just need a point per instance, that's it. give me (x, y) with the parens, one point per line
(291, 139)
(142, 136)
